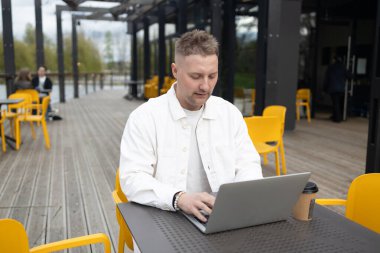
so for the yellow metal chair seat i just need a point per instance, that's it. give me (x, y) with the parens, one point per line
(13, 239)
(125, 236)
(363, 201)
(265, 148)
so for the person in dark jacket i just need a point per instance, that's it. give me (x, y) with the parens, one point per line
(42, 82)
(334, 84)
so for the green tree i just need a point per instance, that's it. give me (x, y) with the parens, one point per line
(108, 50)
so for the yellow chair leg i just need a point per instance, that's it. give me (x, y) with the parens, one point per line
(283, 162)
(121, 243)
(308, 113)
(46, 134)
(277, 158)
(17, 134)
(4, 146)
(298, 112)
(265, 159)
(33, 132)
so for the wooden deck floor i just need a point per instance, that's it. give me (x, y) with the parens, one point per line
(66, 192)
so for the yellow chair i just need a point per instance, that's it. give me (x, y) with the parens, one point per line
(13, 239)
(363, 201)
(151, 88)
(303, 98)
(38, 118)
(263, 130)
(278, 111)
(125, 236)
(19, 110)
(2, 118)
(35, 95)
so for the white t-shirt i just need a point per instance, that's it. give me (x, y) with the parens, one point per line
(196, 176)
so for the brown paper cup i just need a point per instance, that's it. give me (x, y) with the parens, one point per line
(303, 209)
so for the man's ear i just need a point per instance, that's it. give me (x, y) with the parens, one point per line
(174, 70)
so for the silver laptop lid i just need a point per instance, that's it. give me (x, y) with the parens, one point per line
(254, 202)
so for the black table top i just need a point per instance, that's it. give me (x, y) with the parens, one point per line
(10, 101)
(155, 230)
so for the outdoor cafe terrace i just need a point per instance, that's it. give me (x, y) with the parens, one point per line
(66, 191)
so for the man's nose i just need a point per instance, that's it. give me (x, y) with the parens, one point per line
(205, 84)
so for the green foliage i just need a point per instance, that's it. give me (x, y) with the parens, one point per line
(25, 53)
(245, 63)
(244, 80)
(88, 55)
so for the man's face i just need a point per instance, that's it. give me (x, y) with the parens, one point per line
(41, 72)
(196, 78)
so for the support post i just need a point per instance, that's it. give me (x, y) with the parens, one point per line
(134, 60)
(161, 47)
(373, 147)
(61, 66)
(228, 49)
(9, 53)
(74, 56)
(40, 56)
(146, 50)
(182, 17)
(216, 31)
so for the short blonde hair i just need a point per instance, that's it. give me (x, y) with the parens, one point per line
(197, 42)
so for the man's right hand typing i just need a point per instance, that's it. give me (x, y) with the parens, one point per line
(192, 203)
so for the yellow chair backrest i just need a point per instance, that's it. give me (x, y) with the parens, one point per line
(27, 99)
(118, 192)
(33, 93)
(363, 201)
(276, 111)
(125, 236)
(13, 237)
(303, 94)
(264, 128)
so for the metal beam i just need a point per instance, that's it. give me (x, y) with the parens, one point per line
(161, 47)
(146, 50)
(216, 31)
(134, 60)
(181, 16)
(74, 55)
(229, 46)
(40, 56)
(61, 67)
(373, 147)
(9, 53)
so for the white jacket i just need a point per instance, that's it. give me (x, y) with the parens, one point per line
(155, 144)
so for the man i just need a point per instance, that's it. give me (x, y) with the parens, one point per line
(335, 84)
(42, 82)
(178, 148)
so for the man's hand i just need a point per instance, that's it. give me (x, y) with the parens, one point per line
(192, 203)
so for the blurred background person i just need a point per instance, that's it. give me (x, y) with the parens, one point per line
(23, 80)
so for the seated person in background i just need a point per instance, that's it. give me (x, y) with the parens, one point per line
(178, 148)
(42, 82)
(23, 80)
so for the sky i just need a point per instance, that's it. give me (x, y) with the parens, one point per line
(23, 13)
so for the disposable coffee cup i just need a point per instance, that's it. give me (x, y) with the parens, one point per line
(303, 210)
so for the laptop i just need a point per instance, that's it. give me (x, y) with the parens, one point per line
(255, 202)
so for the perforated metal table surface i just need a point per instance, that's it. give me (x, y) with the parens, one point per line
(157, 231)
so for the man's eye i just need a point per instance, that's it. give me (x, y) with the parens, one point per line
(212, 76)
(195, 77)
